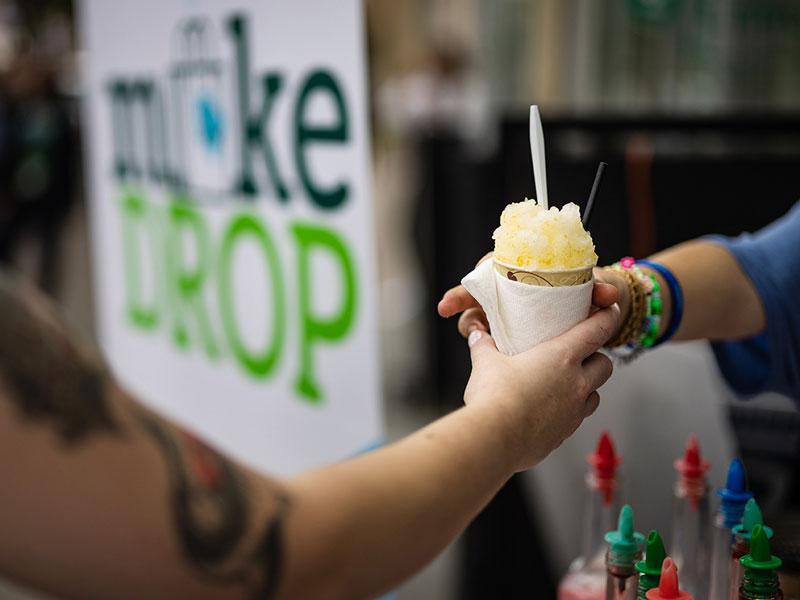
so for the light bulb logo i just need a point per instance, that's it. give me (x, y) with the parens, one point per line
(210, 124)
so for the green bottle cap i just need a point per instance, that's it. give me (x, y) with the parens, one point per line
(752, 517)
(624, 540)
(654, 556)
(760, 558)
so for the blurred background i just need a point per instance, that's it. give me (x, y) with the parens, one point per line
(694, 105)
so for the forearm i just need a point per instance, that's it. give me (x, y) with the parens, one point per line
(720, 302)
(150, 510)
(360, 527)
(103, 498)
(133, 508)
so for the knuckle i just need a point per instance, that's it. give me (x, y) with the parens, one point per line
(582, 389)
(588, 388)
(604, 320)
(463, 325)
(566, 353)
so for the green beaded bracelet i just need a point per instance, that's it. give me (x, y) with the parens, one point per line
(648, 331)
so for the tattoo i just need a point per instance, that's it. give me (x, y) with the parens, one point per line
(212, 509)
(54, 377)
(269, 552)
(51, 376)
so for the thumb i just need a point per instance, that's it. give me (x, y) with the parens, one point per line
(481, 346)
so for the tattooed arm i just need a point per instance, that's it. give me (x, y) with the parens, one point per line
(101, 498)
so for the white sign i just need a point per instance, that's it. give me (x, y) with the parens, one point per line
(233, 249)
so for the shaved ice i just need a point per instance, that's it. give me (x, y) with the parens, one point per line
(532, 237)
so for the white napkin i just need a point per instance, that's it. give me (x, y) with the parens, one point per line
(521, 315)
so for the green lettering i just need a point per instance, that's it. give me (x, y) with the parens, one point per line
(315, 328)
(186, 282)
(134, 212)
(256, 364)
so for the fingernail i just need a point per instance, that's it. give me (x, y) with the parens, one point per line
(474, 336)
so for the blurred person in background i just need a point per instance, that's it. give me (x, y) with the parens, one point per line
(445, 94)
(103, 498)
(37, 164)
(739, 293)
(39, 150)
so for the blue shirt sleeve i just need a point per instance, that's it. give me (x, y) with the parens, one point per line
(769, 361)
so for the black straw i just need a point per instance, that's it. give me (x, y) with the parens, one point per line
(587, 213)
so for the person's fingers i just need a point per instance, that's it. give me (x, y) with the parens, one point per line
(601, 274)
(597, 369)
(604, 294)
(457, 299)
(481, 347)
(454, 301)
(592, 402)
(589, 335)
(471, 319)
(608, 276)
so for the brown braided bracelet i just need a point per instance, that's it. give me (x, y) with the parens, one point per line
(638, 309)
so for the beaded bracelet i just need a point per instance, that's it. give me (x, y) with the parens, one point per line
(641, 330)
(637, 311)
(676, 293)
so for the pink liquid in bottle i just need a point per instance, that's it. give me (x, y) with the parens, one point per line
(583, 586)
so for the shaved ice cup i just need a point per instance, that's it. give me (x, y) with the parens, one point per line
(527, 307)
(545, 278)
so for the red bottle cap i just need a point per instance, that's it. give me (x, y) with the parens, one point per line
(668, 587)
(605, 462)
(692, 465)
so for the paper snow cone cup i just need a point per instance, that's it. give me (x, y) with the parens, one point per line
(538, 305)
(545, 278)
(530, 307)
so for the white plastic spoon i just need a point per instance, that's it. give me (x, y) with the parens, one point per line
(537, 156)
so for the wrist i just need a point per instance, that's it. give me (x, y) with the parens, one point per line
(496, 423)
(645, 324)
(640, 326)
(666, 297)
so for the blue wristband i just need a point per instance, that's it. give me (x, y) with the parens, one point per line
(676, 292)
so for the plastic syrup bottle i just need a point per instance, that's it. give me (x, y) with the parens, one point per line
(586, 577)
(650, 568)
(691, 520)
(741, 543)
(760, 579)
(668, 589)
(733, 497)
(624, 550)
